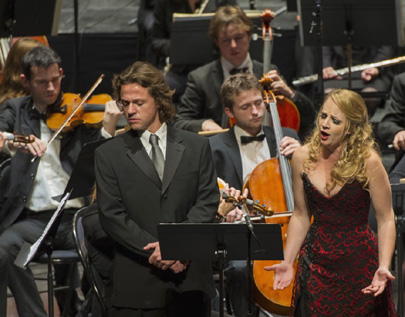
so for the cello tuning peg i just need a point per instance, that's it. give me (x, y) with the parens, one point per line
(255, 37)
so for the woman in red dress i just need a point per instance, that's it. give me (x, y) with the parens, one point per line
(342, 271)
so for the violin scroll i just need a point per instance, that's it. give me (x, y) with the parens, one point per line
(21, 138)
(241, 200)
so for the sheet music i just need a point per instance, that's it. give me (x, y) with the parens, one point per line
(28, 251)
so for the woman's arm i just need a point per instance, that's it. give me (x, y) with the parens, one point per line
(381, 198)
(298, 226)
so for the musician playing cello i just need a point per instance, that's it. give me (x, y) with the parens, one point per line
(28, 205)
(237, 152)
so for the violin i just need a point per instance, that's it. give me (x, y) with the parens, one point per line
(91, 113)
(72, 113)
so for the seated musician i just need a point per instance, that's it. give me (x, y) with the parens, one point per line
(370, 80)
(237, 152)
(200, 107)
(176, 76)
(29, 204)
(391, 129)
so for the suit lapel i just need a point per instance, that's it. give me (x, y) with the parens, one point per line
(138, 155)
(218, 78)
(174, 153)
(234, 153)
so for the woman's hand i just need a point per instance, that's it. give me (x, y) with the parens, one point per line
(283, 274)
(381, 277)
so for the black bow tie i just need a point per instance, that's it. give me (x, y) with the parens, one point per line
(248, 139)
(235, 70)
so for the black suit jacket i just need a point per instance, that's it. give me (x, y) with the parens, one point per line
(227, 157)
(202, 100)
(394, 118)
(132, 201)
(18, 117)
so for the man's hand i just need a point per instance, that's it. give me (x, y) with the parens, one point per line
(369, 74)
(36, 148)
(2, 141)
(156, 259)
(330, 73)
(279, 85)
(210, 125)
(112, 114)
(399, 140)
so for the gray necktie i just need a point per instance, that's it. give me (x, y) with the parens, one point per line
(157, 155)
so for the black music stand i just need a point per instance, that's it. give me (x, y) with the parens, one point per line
(225, 241)
(347, 23)
(29, 17)
(398, 202)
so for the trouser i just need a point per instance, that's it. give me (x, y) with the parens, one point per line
(21, 281)
(186, 304)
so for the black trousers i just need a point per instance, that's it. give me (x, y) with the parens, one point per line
(186, 304)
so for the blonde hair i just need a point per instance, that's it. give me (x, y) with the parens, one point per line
(11, 85)
(357, 140)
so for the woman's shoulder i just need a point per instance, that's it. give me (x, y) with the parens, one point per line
(301, 153)
(373, 161)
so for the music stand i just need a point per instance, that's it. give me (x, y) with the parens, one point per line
(211, 241)
(349, 22)
(29, 17)
(190, 43)
(398, 202)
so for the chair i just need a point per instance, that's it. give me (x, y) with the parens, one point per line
(89, 270)
(60, 257)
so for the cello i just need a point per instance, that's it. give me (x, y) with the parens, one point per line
(270, 183)
(289, 115)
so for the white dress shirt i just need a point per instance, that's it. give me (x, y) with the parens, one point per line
(253, 153)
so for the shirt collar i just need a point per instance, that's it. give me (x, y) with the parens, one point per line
(227, 65)
(240, 132)
(161, 133)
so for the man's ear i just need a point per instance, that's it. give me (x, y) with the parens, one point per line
(229, 112)
(24, 80)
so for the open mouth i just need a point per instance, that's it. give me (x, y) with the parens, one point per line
(324, 135)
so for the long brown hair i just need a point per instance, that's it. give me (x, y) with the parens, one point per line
(151, 78)
(11, 85)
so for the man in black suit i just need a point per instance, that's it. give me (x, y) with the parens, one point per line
(200, 107)
(151, 174)
(28, 204)
(238, 151)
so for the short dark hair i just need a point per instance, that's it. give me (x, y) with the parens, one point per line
(147, 76)
(229, 15)
(236, 84)
(40, 56)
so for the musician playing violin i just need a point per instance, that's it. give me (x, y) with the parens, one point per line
(29, 205)
(237, 152)
(200, 107)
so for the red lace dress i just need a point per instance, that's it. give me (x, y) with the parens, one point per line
(339, 257)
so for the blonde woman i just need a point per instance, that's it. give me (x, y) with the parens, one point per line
(342, 270)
